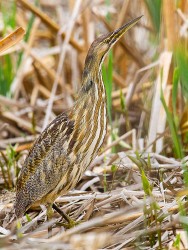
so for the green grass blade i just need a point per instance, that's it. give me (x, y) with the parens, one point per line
(26, 37)
(182, 63)
(177, 242)
(6, 74)
(173, 129)
(185, 173)
(145, 183)
(9, 15)
(175, 89)
(107, 78)
(8, 11)
(107, 73)
(154, 8)
(183, 213)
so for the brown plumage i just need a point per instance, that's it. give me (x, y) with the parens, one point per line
(71, 141)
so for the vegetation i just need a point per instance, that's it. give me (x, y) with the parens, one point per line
(135, 193)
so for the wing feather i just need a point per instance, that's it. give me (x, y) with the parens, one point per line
(42, 169)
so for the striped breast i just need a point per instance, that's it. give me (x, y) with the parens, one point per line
(89, 114)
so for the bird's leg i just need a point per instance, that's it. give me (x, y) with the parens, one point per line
(49, 214)
(71, 223)
(64, 215)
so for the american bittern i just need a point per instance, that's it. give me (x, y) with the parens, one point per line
(71, 141)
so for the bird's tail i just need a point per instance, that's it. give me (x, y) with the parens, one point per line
(22, 203)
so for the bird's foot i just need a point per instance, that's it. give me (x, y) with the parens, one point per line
(70, 224)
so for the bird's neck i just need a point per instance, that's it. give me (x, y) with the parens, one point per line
(91, 94)
(92, 84)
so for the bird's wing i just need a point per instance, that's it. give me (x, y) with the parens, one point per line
(46, 155)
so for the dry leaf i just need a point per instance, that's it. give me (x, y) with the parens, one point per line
(11, 39)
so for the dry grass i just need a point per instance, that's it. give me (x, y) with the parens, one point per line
(133, 195)
(123, 216)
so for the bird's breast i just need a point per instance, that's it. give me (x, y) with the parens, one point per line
(87, 150)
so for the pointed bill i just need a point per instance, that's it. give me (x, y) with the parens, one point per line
(115, 35)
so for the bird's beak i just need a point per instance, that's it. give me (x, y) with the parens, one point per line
(114, 36)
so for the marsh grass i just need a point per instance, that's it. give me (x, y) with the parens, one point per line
(134, 195)
(7, 69)
(9, 167)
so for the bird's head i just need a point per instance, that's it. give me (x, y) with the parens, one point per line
(100, 47)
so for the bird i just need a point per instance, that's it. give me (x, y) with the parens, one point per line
(67, 146)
